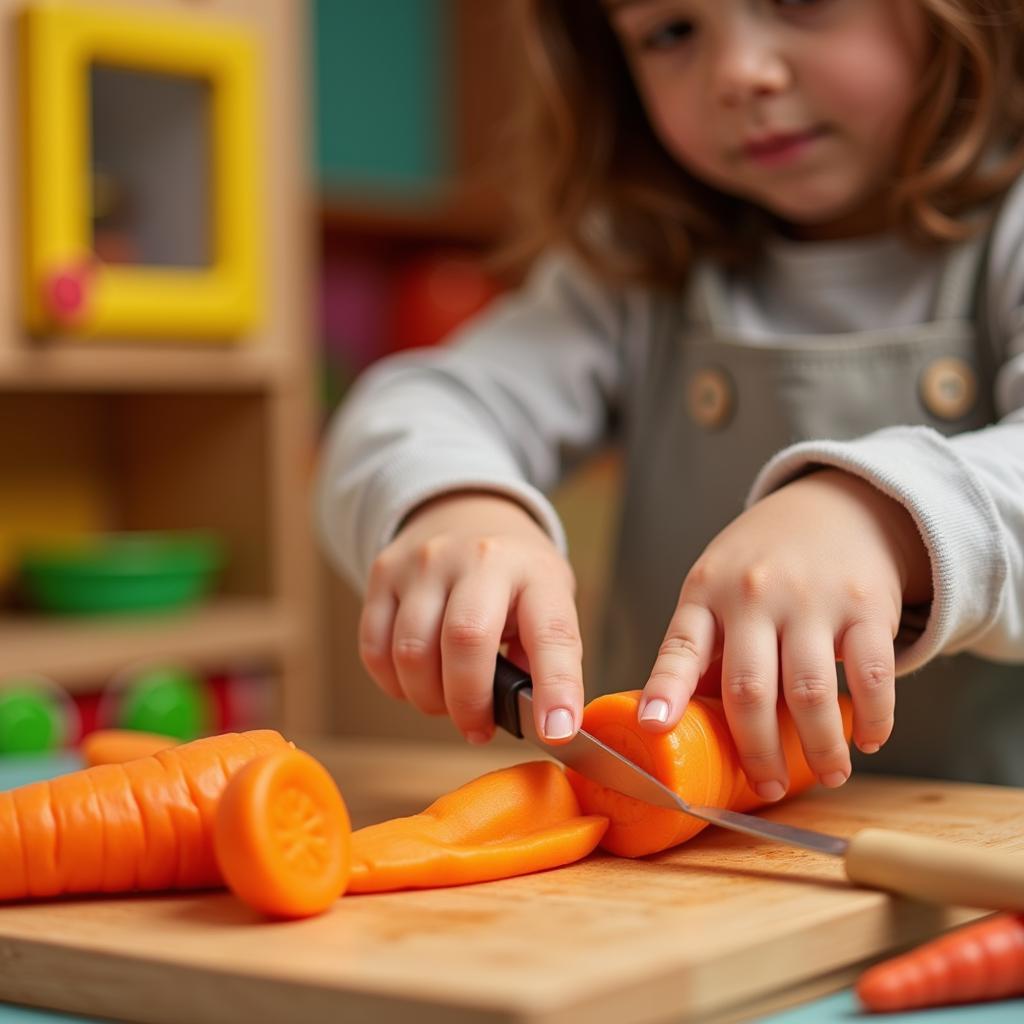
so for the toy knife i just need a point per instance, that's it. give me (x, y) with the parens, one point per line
(912, 865)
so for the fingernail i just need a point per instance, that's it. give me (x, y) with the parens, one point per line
(655, 710)
(478, 738)
(558, 724)
(834, 779)
(770, 791)
(869, 748)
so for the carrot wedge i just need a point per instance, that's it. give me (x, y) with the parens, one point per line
(510, 822)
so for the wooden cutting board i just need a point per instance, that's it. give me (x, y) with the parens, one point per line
(707, 931)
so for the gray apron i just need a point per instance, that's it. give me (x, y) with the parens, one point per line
(707, 414)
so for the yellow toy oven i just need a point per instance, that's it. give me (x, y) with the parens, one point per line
(142, 174)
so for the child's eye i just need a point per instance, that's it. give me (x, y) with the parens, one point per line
(667, 36)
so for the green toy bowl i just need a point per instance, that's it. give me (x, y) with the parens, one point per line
(121, 573)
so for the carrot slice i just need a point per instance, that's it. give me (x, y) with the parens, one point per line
(283, 836)
(509, 822)
(115, 746)
(697, 759)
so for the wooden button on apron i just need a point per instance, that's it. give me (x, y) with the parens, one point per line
(949, 388)
(710, 398)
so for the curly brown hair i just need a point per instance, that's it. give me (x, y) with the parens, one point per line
(585, 146)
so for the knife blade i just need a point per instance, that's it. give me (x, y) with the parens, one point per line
(913, 865)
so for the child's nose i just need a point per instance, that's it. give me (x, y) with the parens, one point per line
(749, 66)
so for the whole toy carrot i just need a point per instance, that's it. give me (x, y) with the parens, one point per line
(981, 961)
(145, 824)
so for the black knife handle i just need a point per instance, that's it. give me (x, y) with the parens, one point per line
(509, 679)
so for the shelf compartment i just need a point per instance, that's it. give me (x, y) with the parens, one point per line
(143, 461)
(77, 652)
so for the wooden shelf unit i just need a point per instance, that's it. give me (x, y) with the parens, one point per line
(77, 652)
(177, 434)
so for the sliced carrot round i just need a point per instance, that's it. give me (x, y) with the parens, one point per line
(282, 835)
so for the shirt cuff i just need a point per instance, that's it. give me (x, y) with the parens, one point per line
(955, 516)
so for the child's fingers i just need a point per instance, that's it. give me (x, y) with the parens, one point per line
(415, 646)
(870, 663)
(684, 656)
(550, 634)
(376, 625)
(750, 663)
(811, 692)
(470, 635)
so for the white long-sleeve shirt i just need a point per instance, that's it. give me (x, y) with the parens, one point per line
(536, 383)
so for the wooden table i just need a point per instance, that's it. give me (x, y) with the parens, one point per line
(720, 929)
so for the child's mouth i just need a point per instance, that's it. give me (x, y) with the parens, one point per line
(780, 148)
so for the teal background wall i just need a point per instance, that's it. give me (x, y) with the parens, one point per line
(382, 88)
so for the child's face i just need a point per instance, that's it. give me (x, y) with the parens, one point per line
(799, 106)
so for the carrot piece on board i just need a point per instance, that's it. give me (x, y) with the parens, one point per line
(283, 836)
(76, 809)
(157, 795)
(13, 879)
(34, 806)
(697, 759)
(115, 746)
(120, 827)
(199, 767)
(981, 961)
(509, 822)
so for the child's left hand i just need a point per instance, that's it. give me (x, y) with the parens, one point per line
(815, 571)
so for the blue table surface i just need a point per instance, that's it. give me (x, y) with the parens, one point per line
(840, 1008)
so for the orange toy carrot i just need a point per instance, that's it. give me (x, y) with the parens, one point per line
(115, 746)
(283, 836)
(981, 961)
(697, 759)
(145, 824)
(509, 822)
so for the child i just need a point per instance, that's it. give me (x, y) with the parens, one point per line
(784, 271)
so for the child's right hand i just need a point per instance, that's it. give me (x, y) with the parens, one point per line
(465, 573)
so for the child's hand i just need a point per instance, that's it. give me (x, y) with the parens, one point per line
(816, 571)
(466, 572)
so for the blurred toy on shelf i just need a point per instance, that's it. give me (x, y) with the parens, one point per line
(36, 716)
(244, 697)
(355, 309)
(435, 293)
(121, 573)
(170, 699)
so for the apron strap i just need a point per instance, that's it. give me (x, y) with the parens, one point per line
(709, 305)
(958, 283)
